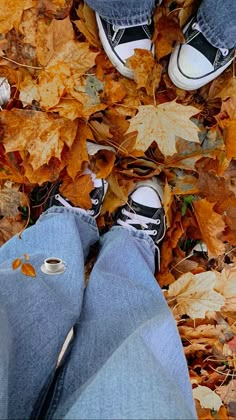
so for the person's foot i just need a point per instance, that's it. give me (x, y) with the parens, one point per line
(97, 195)
(119, 42)
(196, 62)
(144, 211)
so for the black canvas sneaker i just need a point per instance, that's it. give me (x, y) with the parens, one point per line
(197, 62)
(144, 211)
(119, 42)
(97, 195)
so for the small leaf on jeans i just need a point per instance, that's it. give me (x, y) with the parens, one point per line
(28, 270)
(16, 263)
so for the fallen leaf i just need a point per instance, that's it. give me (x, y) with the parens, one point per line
(167, 202)
(141, 63)
(9, 227)
(78, 154)
(16, 263)
(78, 191)
(41, 135)
(207, 398)
(87, 24)
(167, 32)
(10, 200)
(230, 139)
(226, 285)
(11, 13)
(188, 9)
(210, 230)
(163, 124)
(28, 270)
(195, 294)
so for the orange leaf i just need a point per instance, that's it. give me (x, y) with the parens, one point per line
(16, 263)
(28, 270)
(142, 63)
(41, 135)
(78, 154)
(230, 139)
(210, 224)
(78, 191)
(167, 32)
(11, 13)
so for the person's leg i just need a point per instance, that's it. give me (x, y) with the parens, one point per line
(127, 360)
(124, 26)
(121, 12)
(217, 19)
(209, 48)
(39, 311)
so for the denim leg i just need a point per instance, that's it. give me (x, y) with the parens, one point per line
(127, 360)
(121, 12)
(39, 312)
(217, 19)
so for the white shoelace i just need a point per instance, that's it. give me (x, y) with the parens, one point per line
(65, 203)
(117, 28)
(224, 51)
(136, 219)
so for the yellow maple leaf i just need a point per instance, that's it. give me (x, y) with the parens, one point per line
(41, 135)
(11, 13)
(163, 124)
(195, 294)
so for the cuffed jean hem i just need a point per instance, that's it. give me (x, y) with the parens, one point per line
(139, 234)
(137, 18)
(62, 210)
(213, 33)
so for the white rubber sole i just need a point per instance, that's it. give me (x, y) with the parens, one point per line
(183, 82)
(121, 68)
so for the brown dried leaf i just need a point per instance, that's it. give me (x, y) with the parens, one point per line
(141, 63)
(9, 227)
(16, 263)
(78, 191)
(11, 13)
(167, 32)
(87, 24)
(210, 230)
(10, 199)
(28, 270)
(41, 135)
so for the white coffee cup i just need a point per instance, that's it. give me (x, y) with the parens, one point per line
(53, 264)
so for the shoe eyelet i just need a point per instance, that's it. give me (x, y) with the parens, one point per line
(96, 201)
(225, 52)
(194, 25)
(154, 232)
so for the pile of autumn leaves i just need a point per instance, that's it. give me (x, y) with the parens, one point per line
(64, 91)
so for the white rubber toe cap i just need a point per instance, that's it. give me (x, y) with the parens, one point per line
(192, 63)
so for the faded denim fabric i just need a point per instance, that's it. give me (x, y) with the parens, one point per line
(217, 18)
(126, 359)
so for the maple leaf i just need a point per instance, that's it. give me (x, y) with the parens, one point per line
(42, 136)
(11, 13)
(163, 124)
(78, 149)
(204, 213)
(167, 32)
(141, 63)
(195, 294)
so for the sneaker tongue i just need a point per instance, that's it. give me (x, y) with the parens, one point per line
(142, 209)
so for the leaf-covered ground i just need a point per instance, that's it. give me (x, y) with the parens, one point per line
(65, 91)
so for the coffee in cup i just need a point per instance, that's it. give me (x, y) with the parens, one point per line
(53, 264)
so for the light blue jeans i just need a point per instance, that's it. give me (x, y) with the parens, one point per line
(126, 359)
(217, 18)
